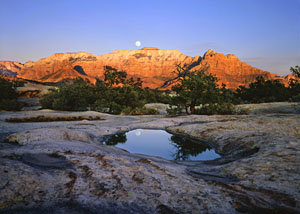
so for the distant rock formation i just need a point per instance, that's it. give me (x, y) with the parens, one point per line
(152, 65)
(230, 70)
(58, 67)
(149, 48)
(10, 68)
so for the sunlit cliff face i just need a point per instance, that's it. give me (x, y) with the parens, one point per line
(152, 65)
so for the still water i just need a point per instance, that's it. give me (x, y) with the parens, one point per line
(163, 144)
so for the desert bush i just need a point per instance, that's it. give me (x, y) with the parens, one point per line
(47, 100)
(262, 90)
(8, 96)
(69, 97)
(216, 108)
(294, 89)
(175, 110)
(117, 93)
(296, 98)
(10, 105)
(195, 88)
(7, 90)
(114, 99)
(18, 83)
(110, 95)
(100, 106)
(138, 111)
(155, 96)
(114, 94)
(228, 96)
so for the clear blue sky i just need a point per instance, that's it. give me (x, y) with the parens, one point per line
(264, 33)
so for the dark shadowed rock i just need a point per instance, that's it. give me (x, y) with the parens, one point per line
(43, 160)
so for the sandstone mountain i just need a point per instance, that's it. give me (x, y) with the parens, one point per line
(230, 70)
(152, 65)
(10, 68)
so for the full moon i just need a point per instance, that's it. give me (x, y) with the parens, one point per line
(138, 133)
(138, 43)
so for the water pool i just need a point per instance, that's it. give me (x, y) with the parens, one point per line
(163, 144)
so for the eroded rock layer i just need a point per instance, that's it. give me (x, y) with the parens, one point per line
(230, 70)
(65, 168)
(152, 65)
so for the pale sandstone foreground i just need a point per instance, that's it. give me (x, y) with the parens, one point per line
(62, 167)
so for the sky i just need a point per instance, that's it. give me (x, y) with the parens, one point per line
(263, 33)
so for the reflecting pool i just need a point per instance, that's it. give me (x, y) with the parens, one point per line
(163, 144)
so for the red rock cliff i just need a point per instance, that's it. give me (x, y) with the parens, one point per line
(230, 70)
(152, 65)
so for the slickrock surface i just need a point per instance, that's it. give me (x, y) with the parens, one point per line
(62, 167)
(152, 65)
(270, 108)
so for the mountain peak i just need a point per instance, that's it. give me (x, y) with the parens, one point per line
(152, 65)
(210, 52)
(149, 49)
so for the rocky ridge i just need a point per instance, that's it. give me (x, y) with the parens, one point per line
(152, 65)
(230, 70)
(10, 68)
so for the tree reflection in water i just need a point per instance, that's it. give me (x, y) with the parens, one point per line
(163, 144)
(116, 139)
(186, 147)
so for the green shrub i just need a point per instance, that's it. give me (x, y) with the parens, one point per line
(216, 108)
(115, 108)
(294, 89)
(18, 83)
(174, 110)
(155, 96)
(296, 98)
(262, 90)
(100, 106)
(194, 88)
(8, 96)
(69, 97)
(8, 92)
(115, 94)
(138, 111)
(47, 100)
(10, 105)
